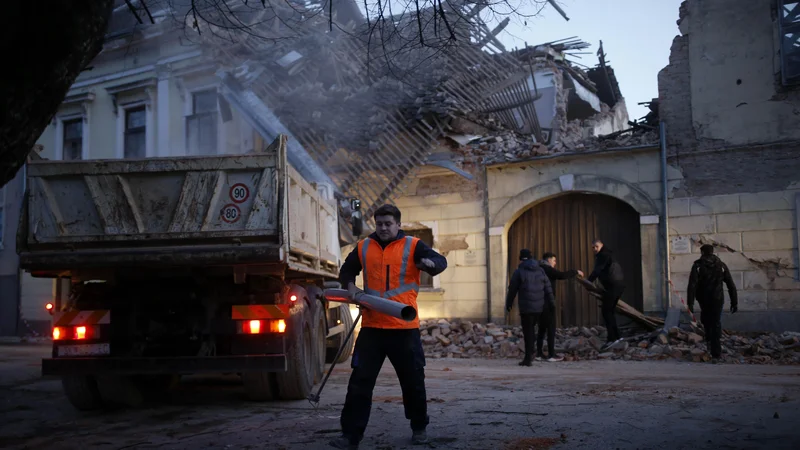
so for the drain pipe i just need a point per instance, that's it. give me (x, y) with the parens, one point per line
(486, 237)
(664, 219)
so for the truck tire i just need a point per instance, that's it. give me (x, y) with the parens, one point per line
(320, 329)
(259, 386)
(82, 392)
(343, 314)
(298, 380)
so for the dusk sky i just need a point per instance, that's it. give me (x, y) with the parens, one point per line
(636, 36)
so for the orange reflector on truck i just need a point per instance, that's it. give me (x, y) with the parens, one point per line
(81, 318)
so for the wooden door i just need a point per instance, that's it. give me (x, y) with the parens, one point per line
(566, 226)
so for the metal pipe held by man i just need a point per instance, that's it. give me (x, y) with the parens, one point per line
(373, 302)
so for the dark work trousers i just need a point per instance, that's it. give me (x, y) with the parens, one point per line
(607, 308)
(711, 318)
(547, 324)
(529, 322)
(404, 350)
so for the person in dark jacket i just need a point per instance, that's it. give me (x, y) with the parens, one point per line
(391, 264)
(533, 287)
(547, 321)
(609, 272)
(705, 285)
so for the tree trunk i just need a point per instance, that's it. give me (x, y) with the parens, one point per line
(45, 45)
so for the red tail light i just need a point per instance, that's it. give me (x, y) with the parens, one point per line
(48, 306)
(58, 333)
(293, 298)
(263, 326)
(81, 332)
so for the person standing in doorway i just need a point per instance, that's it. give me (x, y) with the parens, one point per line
(547, 321)
(609, 272)
(392, 263)
(531, 284)
(705, 285)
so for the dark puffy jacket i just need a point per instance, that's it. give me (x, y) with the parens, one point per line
(533, 287)
(554, 274)
(607, 270)
(705, 283)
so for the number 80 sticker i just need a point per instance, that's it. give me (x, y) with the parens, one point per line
(230, 213)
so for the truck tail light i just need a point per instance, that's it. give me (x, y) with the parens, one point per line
(263, 326)
(49, 307)
(78, 333)
(293, 298)
(58, 333)
(81, 332)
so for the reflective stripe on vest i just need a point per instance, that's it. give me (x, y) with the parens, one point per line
(402, 288)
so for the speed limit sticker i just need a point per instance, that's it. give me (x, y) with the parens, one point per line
(239, 193)
(230, 213)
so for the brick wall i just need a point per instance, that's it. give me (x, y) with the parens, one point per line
(755, 234)
(452, 207)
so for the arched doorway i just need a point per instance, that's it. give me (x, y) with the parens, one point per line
(566, 225)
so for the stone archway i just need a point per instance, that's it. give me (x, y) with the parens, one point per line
(566, 184)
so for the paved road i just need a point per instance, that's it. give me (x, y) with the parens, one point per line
(474, 404)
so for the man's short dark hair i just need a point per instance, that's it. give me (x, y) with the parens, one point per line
(597, 241)
(707, 250)
(525, 254)
(548, 255)
(387, 210)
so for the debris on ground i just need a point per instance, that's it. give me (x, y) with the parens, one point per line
(443, 338)
(532, 443)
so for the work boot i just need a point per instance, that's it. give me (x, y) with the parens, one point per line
(419, 437)
(525, 362)
(343, 442)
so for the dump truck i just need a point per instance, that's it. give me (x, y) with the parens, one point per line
(186, 265)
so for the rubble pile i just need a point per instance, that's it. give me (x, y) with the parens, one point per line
(463, 339)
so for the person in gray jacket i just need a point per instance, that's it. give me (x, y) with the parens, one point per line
(531, 284)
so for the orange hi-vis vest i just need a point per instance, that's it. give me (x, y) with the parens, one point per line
(390, 273)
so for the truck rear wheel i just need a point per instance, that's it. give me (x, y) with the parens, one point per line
(320, 331)
(343, 314)
(298, 380)
(82, 392)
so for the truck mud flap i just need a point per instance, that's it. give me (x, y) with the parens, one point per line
(141, 366)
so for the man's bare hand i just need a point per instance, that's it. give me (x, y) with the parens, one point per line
(580, 273)
(353, 289)
(425, 263)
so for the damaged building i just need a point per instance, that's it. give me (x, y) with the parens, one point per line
(485, 149)
(732, 113)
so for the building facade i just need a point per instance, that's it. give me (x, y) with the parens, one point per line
(732, 112)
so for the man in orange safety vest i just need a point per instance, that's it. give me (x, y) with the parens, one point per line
(392, 263)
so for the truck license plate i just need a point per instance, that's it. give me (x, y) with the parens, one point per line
(84, 350)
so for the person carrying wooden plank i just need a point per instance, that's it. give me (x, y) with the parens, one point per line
(609, 272)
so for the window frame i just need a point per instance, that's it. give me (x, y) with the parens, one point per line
(61, 129)
(412, 230)
(190, 113)
(783, 29)
(126, 131)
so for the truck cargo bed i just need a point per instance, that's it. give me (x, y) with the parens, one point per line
(200, 211)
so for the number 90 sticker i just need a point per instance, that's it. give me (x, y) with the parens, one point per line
(239, 193)
(230, 213)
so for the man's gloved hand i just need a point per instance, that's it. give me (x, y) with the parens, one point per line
(425, 263)
(734, 308)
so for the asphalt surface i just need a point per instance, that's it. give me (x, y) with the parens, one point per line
(473, 404)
